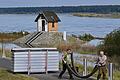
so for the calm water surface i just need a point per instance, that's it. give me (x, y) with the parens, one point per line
(72, 24)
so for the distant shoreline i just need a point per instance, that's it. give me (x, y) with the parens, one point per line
(99, 15)
(62, 9)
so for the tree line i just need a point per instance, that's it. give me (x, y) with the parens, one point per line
(62, 9)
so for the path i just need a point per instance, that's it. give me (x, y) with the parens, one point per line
(5, 63)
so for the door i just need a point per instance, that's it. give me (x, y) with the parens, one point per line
(43, 25)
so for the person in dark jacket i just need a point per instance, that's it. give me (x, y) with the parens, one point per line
(66, 59)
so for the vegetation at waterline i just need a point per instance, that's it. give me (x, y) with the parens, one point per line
(84, 37)
(80, 47)
(108, 15)
(6, 75)
(11, 36)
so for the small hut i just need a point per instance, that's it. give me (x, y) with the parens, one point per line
(47, 21)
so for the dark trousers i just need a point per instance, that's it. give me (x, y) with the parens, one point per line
(102, 71)
(64, 69)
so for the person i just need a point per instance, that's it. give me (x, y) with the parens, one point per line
(101, 62)
(66, 60)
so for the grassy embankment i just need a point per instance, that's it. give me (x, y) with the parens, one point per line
(6, 75)
(109, 15)
(74, 43)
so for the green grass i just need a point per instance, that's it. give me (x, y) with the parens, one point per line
(5, 75)
(116, 75)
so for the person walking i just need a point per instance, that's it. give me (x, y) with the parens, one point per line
(66, 60)
(101, 62)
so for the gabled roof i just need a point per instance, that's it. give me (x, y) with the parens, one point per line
(50, 16)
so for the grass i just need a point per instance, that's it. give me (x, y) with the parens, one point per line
(5, 75)
(11, 36)
(87, 49)
(116, 75)
(87, 52)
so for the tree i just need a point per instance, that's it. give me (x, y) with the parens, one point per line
(111, 44)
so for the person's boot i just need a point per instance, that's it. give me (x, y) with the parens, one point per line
(71, 78)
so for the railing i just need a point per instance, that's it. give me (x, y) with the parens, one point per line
(110, 69)
(32, 38)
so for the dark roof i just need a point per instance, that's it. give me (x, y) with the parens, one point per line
(50, 16)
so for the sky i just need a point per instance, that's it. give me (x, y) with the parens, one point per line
(46, 3)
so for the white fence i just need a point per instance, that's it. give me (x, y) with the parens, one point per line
(35, 60)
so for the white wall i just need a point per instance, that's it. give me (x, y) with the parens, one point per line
(46, 26)
(39, 25)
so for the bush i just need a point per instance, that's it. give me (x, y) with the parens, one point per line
(111, 44)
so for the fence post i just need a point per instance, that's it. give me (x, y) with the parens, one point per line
(110, 71)
(46, 62)
(3, 50)
(64, 36)
(85, 66)
(29, 62)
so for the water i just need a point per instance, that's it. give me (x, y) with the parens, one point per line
(17, 22)
(8, 45)
(95, 26)
(72, 24)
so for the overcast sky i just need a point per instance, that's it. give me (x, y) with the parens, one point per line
(39, 3)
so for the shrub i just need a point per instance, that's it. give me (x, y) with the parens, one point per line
(111, 44)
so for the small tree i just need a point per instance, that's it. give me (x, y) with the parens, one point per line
(111, 44)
